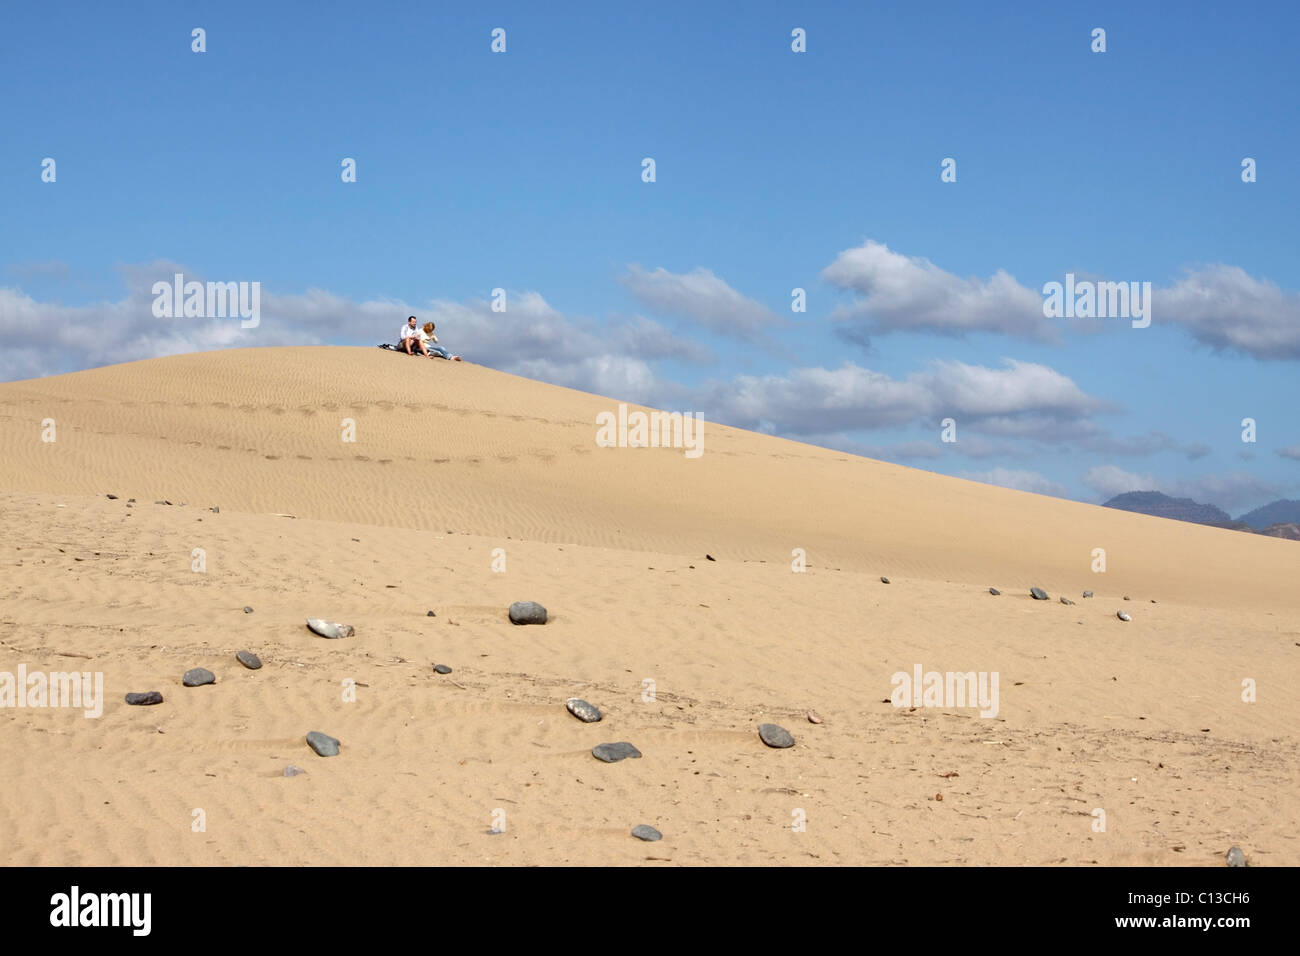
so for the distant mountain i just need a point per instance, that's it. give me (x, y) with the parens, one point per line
(1287, 529)
(1162, 505)
(1282, 511)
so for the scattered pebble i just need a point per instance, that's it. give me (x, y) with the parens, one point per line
(1087, 594)
(813, 718)
(292, 771)
(198, 676)
(1123, 615)
(585, 712)
(1125, 597)
(329, 629)
(939, 797)
(1038, 593)
(1065, 600)
(994, 591)
(216, 509)
(527, 612)
(709, 557)
(775, 736)
(112, 497)
(884, 580)
(323, 744)
(144, 699)
(1236, 857)
(648, 833)
(248, 659)
(442, 668)
(248, 610)
(613, 753)
(430, 614)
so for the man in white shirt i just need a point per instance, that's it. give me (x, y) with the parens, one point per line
(411, 338)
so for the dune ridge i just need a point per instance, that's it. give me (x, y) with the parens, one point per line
(453, 461)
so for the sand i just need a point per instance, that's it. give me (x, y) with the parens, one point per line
(1142, 720)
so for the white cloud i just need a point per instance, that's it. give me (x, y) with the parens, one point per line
(1292, 452)
(910, 293)
(702, 296)
(1019, 480)
(1225, 308)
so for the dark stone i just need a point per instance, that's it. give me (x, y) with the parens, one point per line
(430, 614)
(323, 744)
(884, 580)
(112, 497)
(709, 557)
(994, 591)
(1123, 615)
(248, 659)
(775, 736)
(1087, 594)
(1065, 600)
(613, 753)
(647, 833)
(198, 676)
(585, 712)
(1038, 593)
(442, 668)
(527, 612)
(144, 699)
(1125, 597)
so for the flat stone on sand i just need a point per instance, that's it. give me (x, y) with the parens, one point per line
(1236, 857)
(248, 659)
(775, 736)
(527, 612)
(645, 832)
(1087, 594)
(994, 591)
(292, 771)
(1123, 615)
(884, 580)
(248, 610)
(442, 668)
(323, 744)
(613, 753)
(1065, 600)
(198, 676)
(585, 712)
(329, 629)
(1038, 593)
(144, 699)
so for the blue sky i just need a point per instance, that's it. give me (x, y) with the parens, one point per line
(774, 170)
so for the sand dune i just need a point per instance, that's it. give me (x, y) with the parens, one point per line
(451, 461)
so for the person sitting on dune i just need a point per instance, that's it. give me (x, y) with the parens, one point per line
(427, 336)
(410, 338)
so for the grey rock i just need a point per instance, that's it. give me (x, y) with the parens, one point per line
(1038, 593)
(248, 610)
(775, 736)
(1087, 594)
(1123, 615)
(613, 753)
(527, 612)
(1126, 597)
(323, 744)
(1065, 600)
(585, 712)
(645, 832)
(112, 497)
(198, 676)
(292, 771)
(1236, 857)
(884, 580)
(249, 660)
(442, 668)
(145, 699)
(994, 591)
(329, 629)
